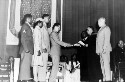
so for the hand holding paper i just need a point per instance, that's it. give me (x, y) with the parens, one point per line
(77, 44)
(83, 44)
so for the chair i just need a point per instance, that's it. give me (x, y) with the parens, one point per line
(60, 75)
(6, 71)
(121, 70)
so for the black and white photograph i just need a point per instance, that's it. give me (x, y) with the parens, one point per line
(62, 40)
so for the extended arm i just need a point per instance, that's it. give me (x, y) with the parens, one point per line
(55, 38)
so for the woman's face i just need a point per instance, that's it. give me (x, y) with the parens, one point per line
(89, 31)
(40, 25)
(57, 28)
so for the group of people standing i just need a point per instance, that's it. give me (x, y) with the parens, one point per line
(94, 53)
(35, 45)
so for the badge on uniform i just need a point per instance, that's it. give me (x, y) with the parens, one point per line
(24, 31)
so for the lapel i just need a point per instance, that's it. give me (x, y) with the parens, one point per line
(97, 38)
(28, 26)
(101, 30)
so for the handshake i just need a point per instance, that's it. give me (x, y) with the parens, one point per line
(67, 45)
(80, 43)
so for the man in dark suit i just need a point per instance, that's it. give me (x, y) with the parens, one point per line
(118, 59)
(26, 48)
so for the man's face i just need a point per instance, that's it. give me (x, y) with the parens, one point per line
(29, 20)
(89, 31)
(57, 28)
(46, 19)
(101, 22)
(121, 44)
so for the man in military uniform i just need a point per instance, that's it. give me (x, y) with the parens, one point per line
(26, 48)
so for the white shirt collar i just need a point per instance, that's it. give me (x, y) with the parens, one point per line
(38, 27)
(28, 24)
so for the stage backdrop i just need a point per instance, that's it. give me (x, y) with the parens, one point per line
(77, 15)
(17, 9)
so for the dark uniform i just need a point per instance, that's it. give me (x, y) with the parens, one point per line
(94, 68)
(118, 59)
(26, 51)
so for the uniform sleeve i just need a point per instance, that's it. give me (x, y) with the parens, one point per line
(54, 37)
(36, 39)
(43, 39)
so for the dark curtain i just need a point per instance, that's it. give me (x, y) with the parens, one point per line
(76, 17)
(58, 11)
(78, 14)
(65, 51)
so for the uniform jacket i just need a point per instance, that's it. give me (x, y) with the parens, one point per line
(37, 60)
(37, 39)
(45, 38)
(56, 44)
(26, 39)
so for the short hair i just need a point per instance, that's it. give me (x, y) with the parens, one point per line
(120, 41)
(56, 24)
(45, 15)
(25, 17)
(36, 23)
(101, 18)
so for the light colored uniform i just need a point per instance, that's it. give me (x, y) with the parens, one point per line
(37, 61)
(55, 54)
(45, 44)
(103, 48)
